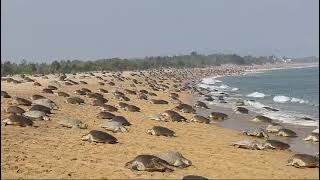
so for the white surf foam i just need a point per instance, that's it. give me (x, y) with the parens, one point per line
(281, 99)
(254, 104)
(291, 118)
(297, 100)
(234, 89)
(256, 95)
(224, 86)
(210, 81)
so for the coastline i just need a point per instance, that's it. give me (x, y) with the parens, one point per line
(240, 121)
(53, 152)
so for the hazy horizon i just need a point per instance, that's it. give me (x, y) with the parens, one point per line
(88, 30)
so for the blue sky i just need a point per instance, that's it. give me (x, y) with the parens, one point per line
(47, 30)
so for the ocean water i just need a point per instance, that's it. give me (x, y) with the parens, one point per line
(294, 92)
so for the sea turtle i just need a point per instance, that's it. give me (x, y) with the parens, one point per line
(94, 95)
(241, 110)
(142, 96)
(273, 127)
(194, 177)
(4, 94)
(15, 110)
(161, 131)
(22, 101)
(132, 108)
(99, 102)
(37, 96)
(175, 158)
(122, 105)
(313, 137)
(173, 116)
(48, 91)
(275, 144)
(258, 132)
(303, 160)
(316, 131)
(83, 82)
(148, 163)
(158, 101)
(152, 94)
(174, 95)
(143, 91)
(121, 98)
(260, 118)
(186, 108)
(200, 104)
(209, 98)
(270, 109)
(109, 108)
(99, 137)
(37, 107)
(114, 126)
(103, 90)
(52, 87)
(75, 100)
(45, 102)
(73, 123)
(122, 120)
(17, 120)
(63, 94)
(105, 115)
(218, 116)
(36, 115)
(86, 90)
(248, 144)
(80, 92)
(130, 91)
(286, 133)
(200, 119)
(240, 103)
(175, 101)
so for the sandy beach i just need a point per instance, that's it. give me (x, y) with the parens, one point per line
(52, 152)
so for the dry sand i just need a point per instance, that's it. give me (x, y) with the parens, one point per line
(50, 151)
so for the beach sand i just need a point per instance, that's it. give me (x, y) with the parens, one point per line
(50, 151)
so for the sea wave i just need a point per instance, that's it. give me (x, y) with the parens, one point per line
(283, 99)
(297, 100)
(291, 118)
(224, 86)
(254, 104)
(210, 81)
(256, 95)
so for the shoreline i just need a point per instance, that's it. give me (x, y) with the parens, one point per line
(239, 121)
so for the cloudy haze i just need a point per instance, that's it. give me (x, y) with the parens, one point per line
(47, 30)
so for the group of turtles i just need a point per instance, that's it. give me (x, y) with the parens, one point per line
(40, 107)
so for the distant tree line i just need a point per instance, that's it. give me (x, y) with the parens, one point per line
(117, 64)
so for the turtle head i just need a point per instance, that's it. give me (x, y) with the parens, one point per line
(128, 165)
(46, 118)
(290, 162)
(83, 126)
(85, 137)
(124, 129)
(150, 131)
(186, 162)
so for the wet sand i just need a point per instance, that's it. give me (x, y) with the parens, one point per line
(243, 121)
(50, 151)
